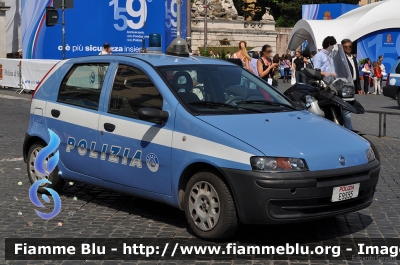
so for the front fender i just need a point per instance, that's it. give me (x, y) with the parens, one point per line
(335, 100)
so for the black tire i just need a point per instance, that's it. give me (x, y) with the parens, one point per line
(377, 156)
(56, 182)
(227, 222)
(398, 98)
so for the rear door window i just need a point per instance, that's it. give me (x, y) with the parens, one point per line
(132, 90)
(82, 85)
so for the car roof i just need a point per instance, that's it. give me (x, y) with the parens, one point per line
(158, 59)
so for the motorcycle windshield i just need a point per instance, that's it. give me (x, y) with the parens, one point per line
(337, 69)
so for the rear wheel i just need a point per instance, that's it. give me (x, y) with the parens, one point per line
(209, 207)
(56, 182)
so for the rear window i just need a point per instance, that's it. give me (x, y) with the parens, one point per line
(82, 85)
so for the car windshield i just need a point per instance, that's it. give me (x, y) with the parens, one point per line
(223, 89)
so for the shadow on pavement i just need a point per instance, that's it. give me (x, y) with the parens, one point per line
(303, 232)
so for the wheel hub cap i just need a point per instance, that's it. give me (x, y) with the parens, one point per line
(35, 176)
(204, 205)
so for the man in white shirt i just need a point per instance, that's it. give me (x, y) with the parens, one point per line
(322, 59)
(253, 63)
(106, 49)
(383, 68)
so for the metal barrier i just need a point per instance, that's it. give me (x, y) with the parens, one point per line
(384, 113)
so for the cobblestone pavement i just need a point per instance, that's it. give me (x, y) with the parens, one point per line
(103, 213)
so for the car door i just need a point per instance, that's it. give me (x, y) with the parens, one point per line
(135, 153)
(74, 117)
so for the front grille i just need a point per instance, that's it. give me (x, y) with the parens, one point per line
(343, 179)
(314, 207)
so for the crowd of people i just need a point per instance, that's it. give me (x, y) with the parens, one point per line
(373, 74)
(263, 63)
(268, 67)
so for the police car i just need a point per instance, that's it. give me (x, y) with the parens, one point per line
(202, 135)
(392, 88)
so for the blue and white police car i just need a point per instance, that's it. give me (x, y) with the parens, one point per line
(200, 134)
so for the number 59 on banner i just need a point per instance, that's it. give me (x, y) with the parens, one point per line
(118, 14)
(171, 14)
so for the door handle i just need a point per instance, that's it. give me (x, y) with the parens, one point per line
(55, 113)
(109, 127)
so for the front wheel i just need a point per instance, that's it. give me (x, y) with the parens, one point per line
(209, 207)
(398, 98)
(56, 182)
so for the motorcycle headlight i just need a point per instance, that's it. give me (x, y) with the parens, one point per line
(277, 164)
(370, 155)
(347, 92)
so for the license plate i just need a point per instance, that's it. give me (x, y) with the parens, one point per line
(345, 192)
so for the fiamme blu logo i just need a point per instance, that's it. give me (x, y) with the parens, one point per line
(45, 167)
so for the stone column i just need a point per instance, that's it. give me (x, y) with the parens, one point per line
(3, 33)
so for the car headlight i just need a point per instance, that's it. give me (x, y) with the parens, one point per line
(277, 164)
(370, 155)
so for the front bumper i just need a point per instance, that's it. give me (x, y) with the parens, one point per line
(268, 198)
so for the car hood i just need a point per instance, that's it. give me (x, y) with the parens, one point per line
(298, 134)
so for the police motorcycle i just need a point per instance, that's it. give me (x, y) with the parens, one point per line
(328, 95)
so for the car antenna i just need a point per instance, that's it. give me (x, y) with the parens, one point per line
(178, 46)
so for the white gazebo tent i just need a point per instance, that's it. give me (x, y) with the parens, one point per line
(351, 25)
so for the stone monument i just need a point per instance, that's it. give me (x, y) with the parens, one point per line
(218, 9)
(267, 17)
(225, 28)
(250, 9)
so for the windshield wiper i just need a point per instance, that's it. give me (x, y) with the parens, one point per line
(266, 102)
(220, 104)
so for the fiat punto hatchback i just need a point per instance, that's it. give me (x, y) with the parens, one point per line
(203, 135)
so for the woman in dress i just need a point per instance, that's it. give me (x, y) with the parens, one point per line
(366, 73)
(243, 55)
(377, 78)
(287, 64)
(265, 66)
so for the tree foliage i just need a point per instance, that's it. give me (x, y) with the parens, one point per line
(286, 12)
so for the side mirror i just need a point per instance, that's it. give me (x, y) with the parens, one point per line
(153, 115)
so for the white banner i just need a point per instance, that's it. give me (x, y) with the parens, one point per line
(33, 72)
(10, 72)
